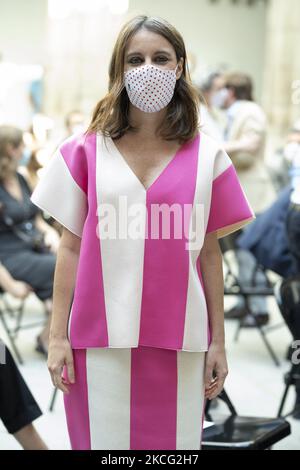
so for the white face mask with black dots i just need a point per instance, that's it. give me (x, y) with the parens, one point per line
(150, 88)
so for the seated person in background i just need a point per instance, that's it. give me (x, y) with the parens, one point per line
(22, 250)
(274, 237)
(18, 289)
(292, 154)
(18, 408)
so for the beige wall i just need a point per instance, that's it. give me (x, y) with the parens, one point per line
(22, 30)
(77, 51)
(218, 32)
(281, 96)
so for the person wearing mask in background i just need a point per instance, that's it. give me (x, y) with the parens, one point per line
(22, 250)
(244, 141)
(212, 119)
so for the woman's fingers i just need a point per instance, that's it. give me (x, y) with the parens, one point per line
(216, 386)
(56, 377)
(208, 374)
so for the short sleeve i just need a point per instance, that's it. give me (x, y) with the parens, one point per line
(229, 208)
(62, 189)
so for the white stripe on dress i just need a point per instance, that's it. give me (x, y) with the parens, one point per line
(60, 196)
(190, 399)
(196, 320)
(122, 259)
(108, 381)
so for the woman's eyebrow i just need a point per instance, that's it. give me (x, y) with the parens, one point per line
(156, 52)
(162, 52)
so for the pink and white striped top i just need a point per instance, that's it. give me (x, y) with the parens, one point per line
(133, 288)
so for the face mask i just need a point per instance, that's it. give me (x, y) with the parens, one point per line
(26, 155)
(219, 98)
(292, 151)
(150, 88)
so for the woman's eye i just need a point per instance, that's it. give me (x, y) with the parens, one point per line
(161, 59)
(135, 60)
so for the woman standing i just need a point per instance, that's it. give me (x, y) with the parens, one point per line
(136, 355)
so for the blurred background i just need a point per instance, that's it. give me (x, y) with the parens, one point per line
(54, 58)
(55, 53)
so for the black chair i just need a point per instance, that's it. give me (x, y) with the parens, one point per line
(234, 432)
(233, 287)
(11, 317)
(287, 294)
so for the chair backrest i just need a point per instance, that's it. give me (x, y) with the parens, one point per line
(287, 294)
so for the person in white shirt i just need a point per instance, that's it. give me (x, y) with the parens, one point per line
(244, 141)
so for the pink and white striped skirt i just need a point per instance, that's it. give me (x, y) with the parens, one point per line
(140, 398)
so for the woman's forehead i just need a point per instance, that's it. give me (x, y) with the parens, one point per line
(145, 42)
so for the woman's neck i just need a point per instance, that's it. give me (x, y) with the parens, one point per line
(147, 124)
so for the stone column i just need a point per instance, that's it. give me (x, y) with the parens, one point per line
(281, 95)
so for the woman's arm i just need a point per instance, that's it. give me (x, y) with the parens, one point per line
(212, 275)
(60, 352)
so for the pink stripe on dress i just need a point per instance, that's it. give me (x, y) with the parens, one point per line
(166, 261)
(76, 404)
(90, 297)
(72, 151)
(224, 211)
(153, 399)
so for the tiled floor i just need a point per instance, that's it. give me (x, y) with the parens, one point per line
(254, 384)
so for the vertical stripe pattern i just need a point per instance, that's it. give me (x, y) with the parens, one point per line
(136, 399)
(122, 258)
(77, 404)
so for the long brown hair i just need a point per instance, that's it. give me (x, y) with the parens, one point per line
(8, 135)
(110, 115)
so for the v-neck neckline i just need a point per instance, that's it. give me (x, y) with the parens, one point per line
(157, 178)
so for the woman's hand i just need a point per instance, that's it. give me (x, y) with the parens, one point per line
(60, 355)
(215, 362)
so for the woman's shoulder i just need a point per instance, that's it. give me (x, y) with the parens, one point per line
(80, 140)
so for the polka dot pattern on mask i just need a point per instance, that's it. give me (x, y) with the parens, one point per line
(150, 88)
